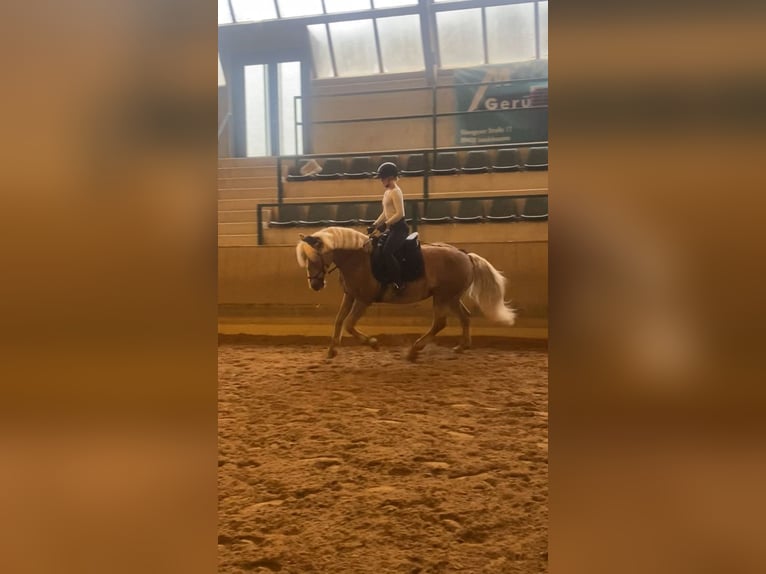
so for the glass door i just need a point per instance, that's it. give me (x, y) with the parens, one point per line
(273, 109)
(258, 138)
(290, 108)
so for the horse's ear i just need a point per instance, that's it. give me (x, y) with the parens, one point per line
(301, 236)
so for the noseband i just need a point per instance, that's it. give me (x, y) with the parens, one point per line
(320, 274)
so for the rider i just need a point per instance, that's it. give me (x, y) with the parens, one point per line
(392, 218)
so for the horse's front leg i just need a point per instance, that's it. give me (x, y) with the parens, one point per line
(345, 307)
(439, 322)
(357, 310)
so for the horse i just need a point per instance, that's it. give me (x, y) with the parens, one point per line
(449, 274)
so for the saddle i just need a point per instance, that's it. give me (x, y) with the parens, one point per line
(409, 256)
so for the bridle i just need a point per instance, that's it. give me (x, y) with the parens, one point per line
(322, 272)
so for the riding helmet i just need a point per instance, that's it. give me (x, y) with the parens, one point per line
(387, 169)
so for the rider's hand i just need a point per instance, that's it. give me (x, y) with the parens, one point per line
(370, 229)
(382, 227)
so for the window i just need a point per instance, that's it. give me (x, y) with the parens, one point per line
(333, 6)
(253, 10)
(460, 38)
(320, 50)
(393, 3)
(291, 8)
(256, 111)
(543, 29)
(515, 32)
(401, 47)
(289, 107)
(511, 33)
(354, 46)
(224, 14)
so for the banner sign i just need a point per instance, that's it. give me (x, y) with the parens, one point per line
(499, 109)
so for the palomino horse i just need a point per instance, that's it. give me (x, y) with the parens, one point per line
(449, 274)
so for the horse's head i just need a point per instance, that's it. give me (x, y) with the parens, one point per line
(313, 255)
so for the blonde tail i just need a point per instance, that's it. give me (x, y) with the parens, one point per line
(488, 291)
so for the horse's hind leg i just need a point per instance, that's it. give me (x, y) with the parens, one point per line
(439, 322)
(357, 310)
(345, 307)
(465, 322)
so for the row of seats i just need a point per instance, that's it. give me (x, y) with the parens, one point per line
(501, 209)
(445, 163)
(475, 211)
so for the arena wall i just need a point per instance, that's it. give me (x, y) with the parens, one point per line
(328, 103)
(267, 278)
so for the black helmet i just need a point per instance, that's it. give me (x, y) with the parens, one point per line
(387, 169)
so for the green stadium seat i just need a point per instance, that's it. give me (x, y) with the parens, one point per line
(503, 209)
(438, 212)
(288, 215)
(332, 168)
(415, 165)
(470, 211)
(507, 160)
(537, 159)
(535, 208)
(446, 163)
(294, 173)
(319, 214)
(360, 168)
(347, 214)
(477, 161)
(371, 212)
(412, 210)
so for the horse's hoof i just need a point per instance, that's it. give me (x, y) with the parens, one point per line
(412, 355)
(331, 353)
(458, 349)
(373, 342)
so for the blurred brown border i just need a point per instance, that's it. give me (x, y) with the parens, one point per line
(108, 243)
(656, 189)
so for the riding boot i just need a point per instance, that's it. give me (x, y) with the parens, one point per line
(395, 273)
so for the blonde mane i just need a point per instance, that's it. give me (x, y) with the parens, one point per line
(332, 238)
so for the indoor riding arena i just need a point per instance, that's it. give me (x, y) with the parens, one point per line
(370, 457)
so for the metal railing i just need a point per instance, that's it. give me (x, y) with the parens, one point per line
(427, 153)
(416, 220)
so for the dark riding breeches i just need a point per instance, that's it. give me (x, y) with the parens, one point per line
(397, 235)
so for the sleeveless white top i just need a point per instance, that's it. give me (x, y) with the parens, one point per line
(393, 206)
